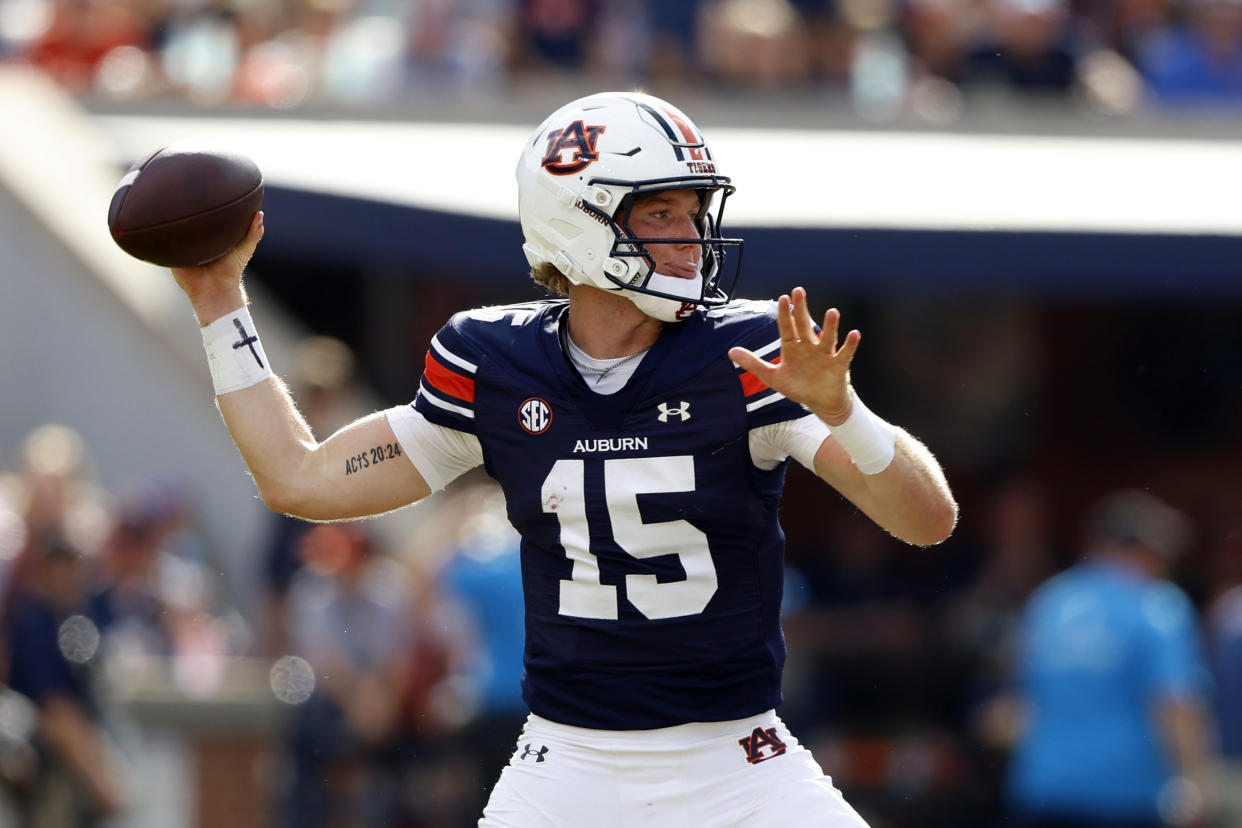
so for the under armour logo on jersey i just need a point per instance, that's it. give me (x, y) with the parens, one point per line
(683, 412)
(759, 739)
(581, 139)
(534, 415)
(538, 754)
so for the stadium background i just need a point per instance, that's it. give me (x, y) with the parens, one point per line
(1027, 206)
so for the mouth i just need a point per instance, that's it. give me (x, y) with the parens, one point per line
(681, 270)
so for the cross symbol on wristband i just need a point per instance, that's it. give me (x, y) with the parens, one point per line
(247, 340)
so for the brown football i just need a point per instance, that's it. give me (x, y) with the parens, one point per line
(185, 205)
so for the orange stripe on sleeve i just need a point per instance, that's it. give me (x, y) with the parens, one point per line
(446, 381)
(751, 384)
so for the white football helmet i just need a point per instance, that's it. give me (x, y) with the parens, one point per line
(580, 172)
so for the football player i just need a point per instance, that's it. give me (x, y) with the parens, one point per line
(640, 425)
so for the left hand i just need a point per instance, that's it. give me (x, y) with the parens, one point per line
(812, 370)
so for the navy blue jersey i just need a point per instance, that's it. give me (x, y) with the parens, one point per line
(652, 556)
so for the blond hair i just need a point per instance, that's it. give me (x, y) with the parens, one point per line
(548, 276)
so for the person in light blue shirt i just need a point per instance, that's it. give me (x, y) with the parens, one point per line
(1198, 61)
(1114, 682)
(1224, 620)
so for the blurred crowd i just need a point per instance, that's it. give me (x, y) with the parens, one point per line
(926, 58)
(953, 686)
(392, 691)
(393, 674)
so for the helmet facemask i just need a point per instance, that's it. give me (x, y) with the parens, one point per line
(631, 265)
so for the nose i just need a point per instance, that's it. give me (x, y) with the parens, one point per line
(687, 229)
(681, 259)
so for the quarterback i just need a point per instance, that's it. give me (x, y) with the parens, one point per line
(639, 424)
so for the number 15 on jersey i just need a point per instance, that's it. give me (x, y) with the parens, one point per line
(583, 595)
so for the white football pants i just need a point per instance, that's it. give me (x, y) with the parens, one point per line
(749, 773)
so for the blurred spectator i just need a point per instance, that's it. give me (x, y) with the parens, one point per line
(201, 53)
(1198, 61)
(861, 630)
(323, 379)
(914, 56)
(862, 675)
(349, 618)
(12, 542)
(54, 660)
(128, 594)
(99, 592)
(1011, 554)
(1224, 627)
(754, 43)
(156, 594)
(1113, 682)
(1225, 635)
(1027, 46)
(666, 36)
(484, 577)
(79, 36)
(555, 34)
(629, 47)
(829, 29)
(19, 762)
(855, 637)
(1123, 25)
(53, 490)
(463, 706)
(50, 496)
(468, 42)
(939, 33)
(1017, 556)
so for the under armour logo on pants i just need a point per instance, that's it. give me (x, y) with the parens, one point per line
(538, 754)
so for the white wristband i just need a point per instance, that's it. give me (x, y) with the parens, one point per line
(234, 352)
(869, 441)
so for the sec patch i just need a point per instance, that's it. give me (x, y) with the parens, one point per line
(534, 415)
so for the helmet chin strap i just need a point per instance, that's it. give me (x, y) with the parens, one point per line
(669, 310)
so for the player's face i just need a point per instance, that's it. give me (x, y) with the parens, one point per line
(671, 214)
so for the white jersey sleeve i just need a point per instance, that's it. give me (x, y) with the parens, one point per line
(799, 439)
(440, 454)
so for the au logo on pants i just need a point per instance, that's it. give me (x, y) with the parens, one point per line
(759, 739)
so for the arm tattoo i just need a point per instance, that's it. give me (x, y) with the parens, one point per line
(371, 457)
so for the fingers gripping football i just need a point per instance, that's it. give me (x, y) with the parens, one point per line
(215, 288)
(812, 369)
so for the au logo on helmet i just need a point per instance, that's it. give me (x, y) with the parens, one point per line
(577, 138)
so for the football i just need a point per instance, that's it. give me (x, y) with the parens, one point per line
(185, 205)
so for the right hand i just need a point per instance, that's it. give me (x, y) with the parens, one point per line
(215, 288)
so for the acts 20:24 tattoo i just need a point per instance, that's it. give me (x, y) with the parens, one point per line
(371, 457)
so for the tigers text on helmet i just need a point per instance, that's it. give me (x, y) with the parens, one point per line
(578, 176)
